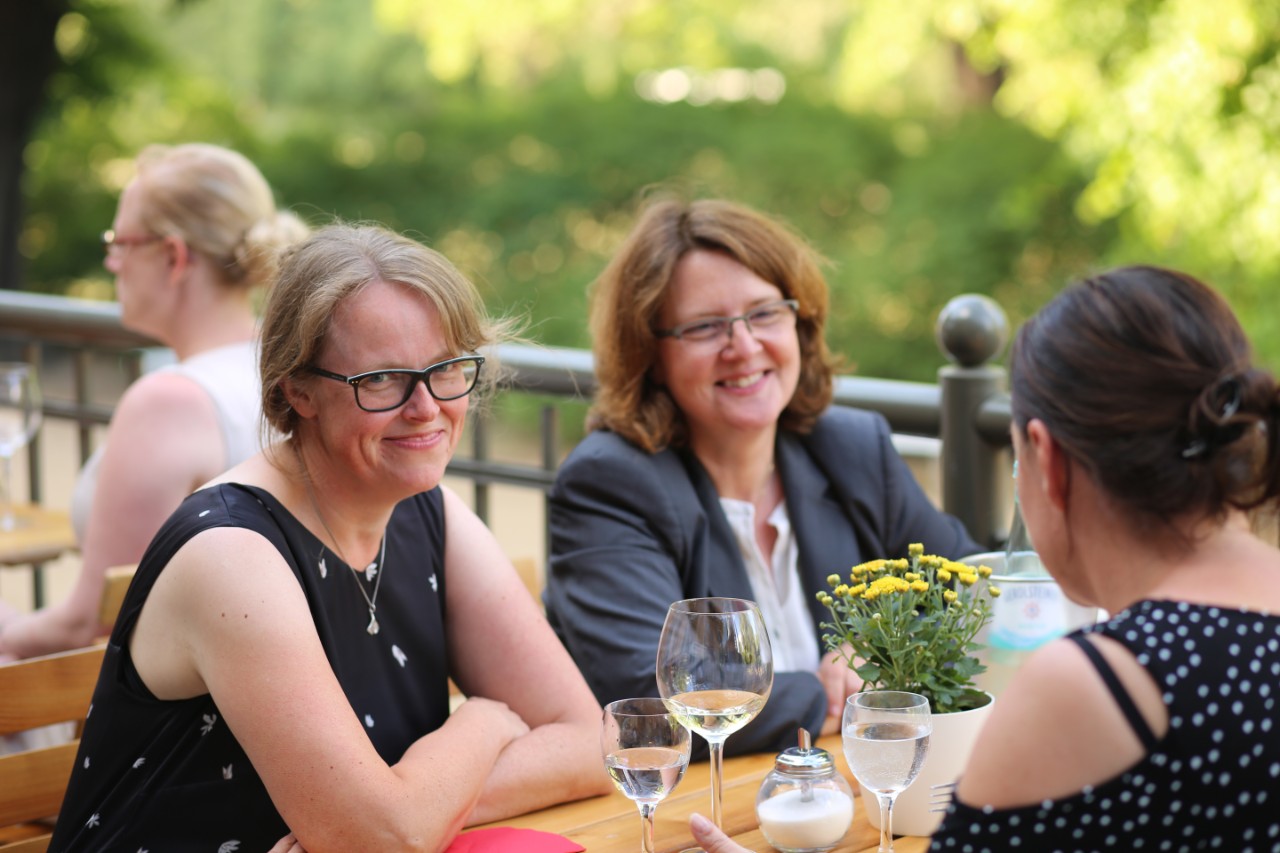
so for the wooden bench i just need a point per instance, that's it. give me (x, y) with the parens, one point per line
(39, 692)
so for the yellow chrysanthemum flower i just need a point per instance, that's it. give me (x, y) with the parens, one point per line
(911, 576)
(915, 549)
(994, 590)
(832, 580)
(968, 578)
(944, 575)
(842, 589)
(950, 596)
(920, 586)
(888, 584)
(984, 571)
(857, 590)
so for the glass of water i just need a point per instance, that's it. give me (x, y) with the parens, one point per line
(646, 752)
(20, 413)
(886, 738)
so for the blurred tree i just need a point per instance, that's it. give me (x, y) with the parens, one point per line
(27, 58)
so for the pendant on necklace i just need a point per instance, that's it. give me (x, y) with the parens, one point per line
(373, 623)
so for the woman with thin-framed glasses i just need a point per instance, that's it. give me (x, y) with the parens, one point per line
(279, 674)
(716, 464)
(196, 233)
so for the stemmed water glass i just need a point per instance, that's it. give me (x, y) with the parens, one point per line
(646, 751)
(715, 671)
(886, 738)
(20, 414)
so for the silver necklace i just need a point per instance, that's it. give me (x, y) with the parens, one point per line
(377, 567)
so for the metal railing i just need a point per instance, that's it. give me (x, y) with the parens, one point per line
(966, 409)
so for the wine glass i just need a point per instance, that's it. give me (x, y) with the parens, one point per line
(646, 751)
(714, 670)
(20, 414)
(886, 738)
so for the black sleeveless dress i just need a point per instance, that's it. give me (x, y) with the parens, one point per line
(166, 776)
(1211, 783)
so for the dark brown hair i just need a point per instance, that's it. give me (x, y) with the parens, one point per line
(1145, 377)
(628, 296)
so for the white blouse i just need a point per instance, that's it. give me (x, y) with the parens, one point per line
(776, 585)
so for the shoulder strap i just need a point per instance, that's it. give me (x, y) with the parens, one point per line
(1136, 721)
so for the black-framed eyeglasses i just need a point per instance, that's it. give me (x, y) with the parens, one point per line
(111, 240)
(769, 316)
(384, 390)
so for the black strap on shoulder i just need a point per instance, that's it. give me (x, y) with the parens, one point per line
(1127, 706)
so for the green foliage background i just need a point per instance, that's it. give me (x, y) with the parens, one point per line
(926, 148)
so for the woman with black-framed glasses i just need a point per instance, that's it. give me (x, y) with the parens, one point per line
(283, 657)
(717, 466)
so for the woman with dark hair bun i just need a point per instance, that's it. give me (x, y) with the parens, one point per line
(1142, 431)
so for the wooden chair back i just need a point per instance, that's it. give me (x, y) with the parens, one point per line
(33, 693)
(118, 579)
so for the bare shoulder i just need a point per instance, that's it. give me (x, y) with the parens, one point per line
(1054, 730)
(226, 593)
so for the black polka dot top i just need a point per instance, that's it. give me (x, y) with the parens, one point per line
(1212, 782)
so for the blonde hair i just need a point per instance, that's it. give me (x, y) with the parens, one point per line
(629, 294)
(220, 205)
(333, 264)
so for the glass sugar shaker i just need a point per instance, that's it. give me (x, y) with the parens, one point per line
(804, 804)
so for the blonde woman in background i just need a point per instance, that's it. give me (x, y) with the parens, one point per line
(195, 233)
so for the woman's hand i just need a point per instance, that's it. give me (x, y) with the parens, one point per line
(708, 836)
(839, 679)
(288, 844)
(504, 723)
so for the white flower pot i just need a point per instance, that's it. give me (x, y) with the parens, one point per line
(949, 746)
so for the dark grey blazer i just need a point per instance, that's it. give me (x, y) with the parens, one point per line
(632, 532)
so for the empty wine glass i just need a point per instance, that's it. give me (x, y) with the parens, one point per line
(20, 414)
(886, 738)
(646, 751)
(715, 671)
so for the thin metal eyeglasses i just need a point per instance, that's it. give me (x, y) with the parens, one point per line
(112, 242)
(768, 316)
(384, 390)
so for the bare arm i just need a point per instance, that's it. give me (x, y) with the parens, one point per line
(502, 648)
(1057, 729)
(163, 443)
(228, 617)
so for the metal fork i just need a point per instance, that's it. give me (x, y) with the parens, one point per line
(940, 796)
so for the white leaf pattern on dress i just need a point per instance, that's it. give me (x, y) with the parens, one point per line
(399, 655)
(86, 762)
(368, 720)
(226, 772)
(371, 572)
(143, 850)
(229, 847)
(139, 763)
(324, 570)
(209, 721)
(206, 512)
(434, 588)
(90, 711)
(93, 821)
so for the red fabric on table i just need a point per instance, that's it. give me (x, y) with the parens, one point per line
(506, 839)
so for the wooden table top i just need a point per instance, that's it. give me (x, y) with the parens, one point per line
(611, 824)
(40, 534)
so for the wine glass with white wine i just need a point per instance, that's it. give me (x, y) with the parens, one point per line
(646, 751)
(886, 738)
(20, 414)
(715, 671)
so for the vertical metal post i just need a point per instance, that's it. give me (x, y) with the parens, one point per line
(32, 355)
(480, 452)
(971, 330)
(549, 430)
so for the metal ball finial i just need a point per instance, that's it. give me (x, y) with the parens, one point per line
(972, 329)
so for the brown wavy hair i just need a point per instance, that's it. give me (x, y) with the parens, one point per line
(629, 294)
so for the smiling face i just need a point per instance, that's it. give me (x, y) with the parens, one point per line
(738, 384)
(400, 452)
